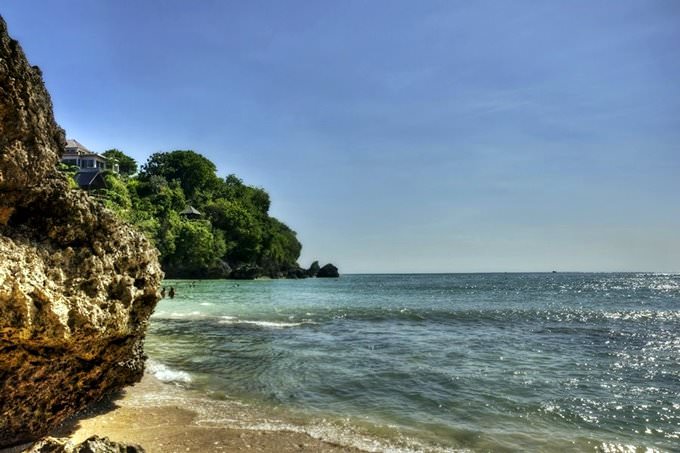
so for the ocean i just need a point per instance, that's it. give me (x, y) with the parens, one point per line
(433, 362)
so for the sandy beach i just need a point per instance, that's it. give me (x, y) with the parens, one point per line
(144, 414)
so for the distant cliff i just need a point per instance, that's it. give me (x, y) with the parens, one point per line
(76, 285)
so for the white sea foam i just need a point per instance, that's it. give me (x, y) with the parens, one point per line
(237, 415)
(167, 374)
(266, 324)
(191, 314)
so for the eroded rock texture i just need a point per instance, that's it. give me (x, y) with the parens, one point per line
(94, 444)
(76, 285)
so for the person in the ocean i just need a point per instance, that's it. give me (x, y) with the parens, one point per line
(163, 293)
(172, 292)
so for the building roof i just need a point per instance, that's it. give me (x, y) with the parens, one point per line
(70, 143)
(75, 147)
(86, 179)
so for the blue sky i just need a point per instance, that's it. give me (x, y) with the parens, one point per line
(397, 136)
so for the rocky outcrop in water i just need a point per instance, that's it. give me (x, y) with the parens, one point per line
(296, 272)
(76, 285)
(328, 271)
(313, 269)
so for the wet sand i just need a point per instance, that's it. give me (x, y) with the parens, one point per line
(128, 417)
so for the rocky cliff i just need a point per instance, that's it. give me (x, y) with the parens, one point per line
(76, 285)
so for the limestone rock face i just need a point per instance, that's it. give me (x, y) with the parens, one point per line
(30, 140)
(76, 285)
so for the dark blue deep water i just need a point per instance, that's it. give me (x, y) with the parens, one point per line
(480, 362)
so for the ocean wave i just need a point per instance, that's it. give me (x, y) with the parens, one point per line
(506, 315)
(265, 324)
(195, 314)
(553, 315)
(167, 374)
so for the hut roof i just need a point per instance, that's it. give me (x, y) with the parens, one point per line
(190, 210)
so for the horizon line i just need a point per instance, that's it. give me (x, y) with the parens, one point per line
(512, 272)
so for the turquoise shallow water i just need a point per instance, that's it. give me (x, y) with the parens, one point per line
(571, 362)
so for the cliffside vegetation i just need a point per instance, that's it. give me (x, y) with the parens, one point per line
(233, 236)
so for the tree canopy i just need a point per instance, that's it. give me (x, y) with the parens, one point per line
(192, 171)
(127, 166)
(234, 236)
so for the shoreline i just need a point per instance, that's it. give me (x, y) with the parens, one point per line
(163, 418)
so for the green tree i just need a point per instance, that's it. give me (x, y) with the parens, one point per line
(194, 172)
(281, 249)
(127, 166)
(257, 198)
(116, 195)
(163, 196)
(241, 230)
(196, 248)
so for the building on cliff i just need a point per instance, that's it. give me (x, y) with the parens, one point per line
(90, 165)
